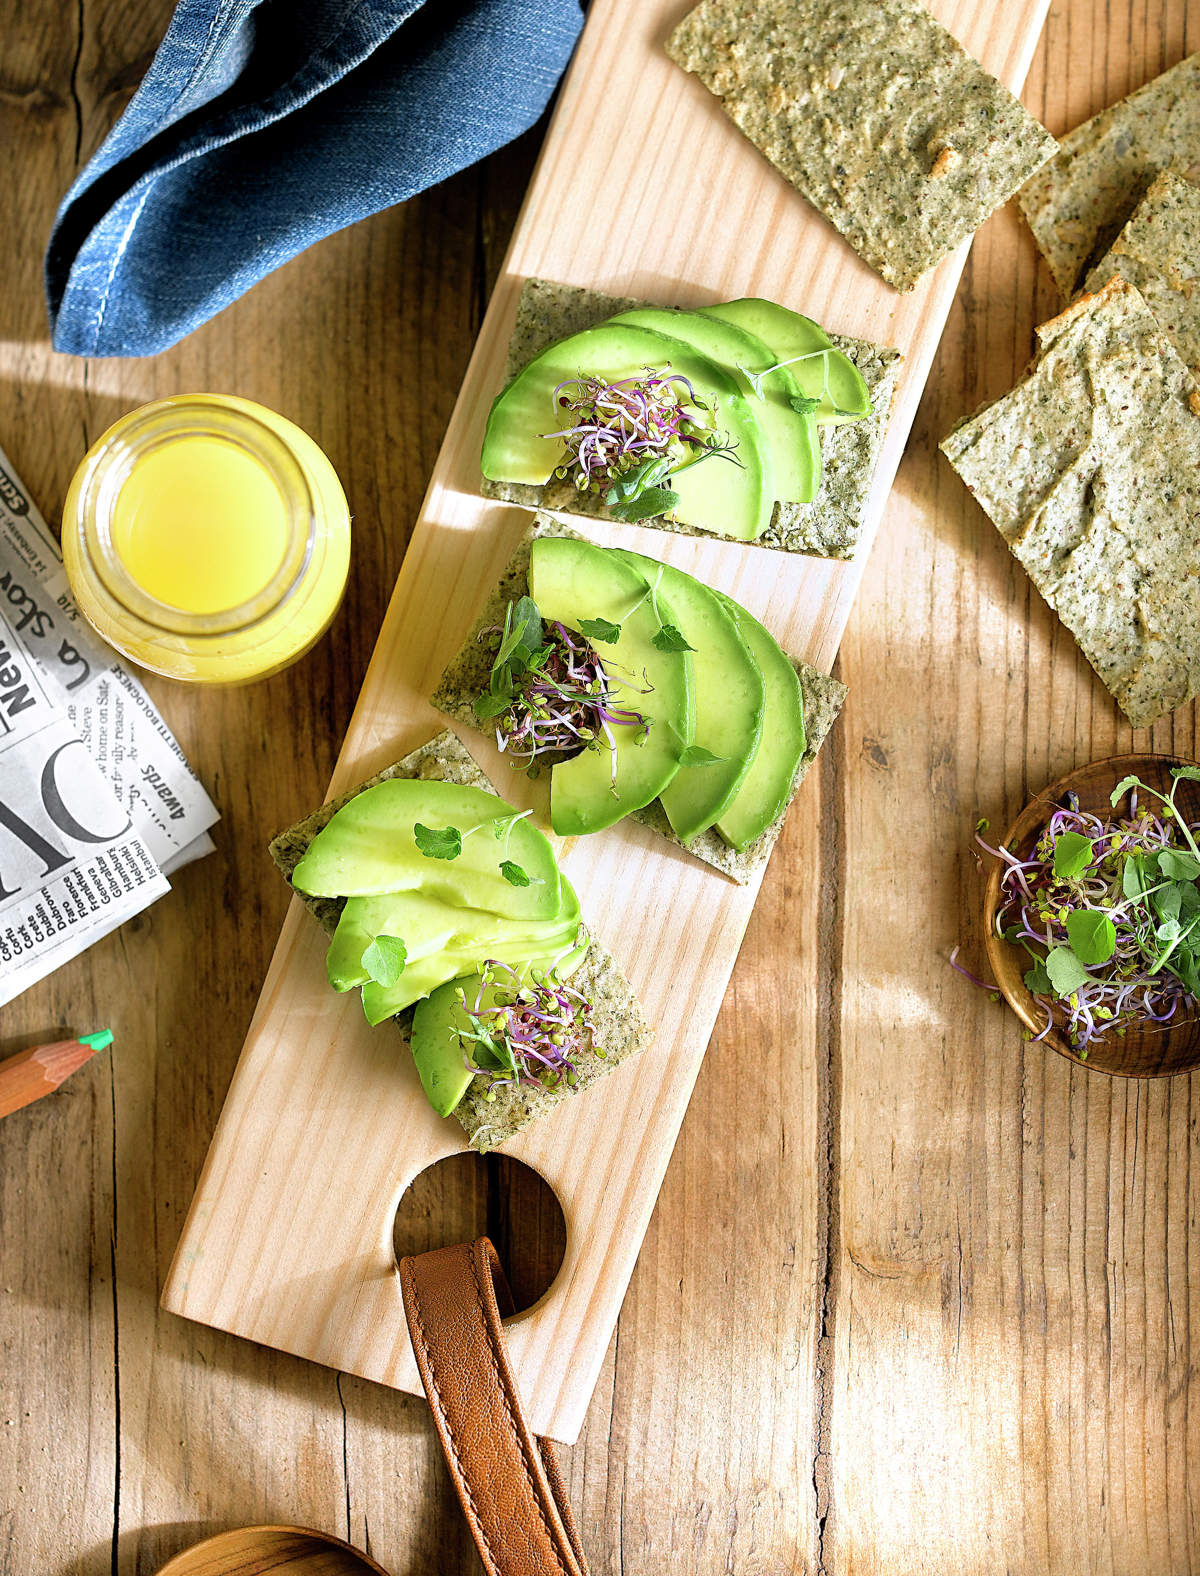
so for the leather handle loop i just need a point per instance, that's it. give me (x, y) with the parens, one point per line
(507, 1479)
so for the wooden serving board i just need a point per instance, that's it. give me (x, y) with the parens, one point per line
(289, 1238)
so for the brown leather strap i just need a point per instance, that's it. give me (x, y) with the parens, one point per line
(508, 1481)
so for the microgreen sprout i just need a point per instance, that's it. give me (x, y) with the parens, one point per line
(524, 1029)
(627, 439)
(556, 699)
(802, 404)
(446, 842)
(1108, 910)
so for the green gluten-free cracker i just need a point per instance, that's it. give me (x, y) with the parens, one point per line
(1158, 252)
(467, 677)
(1077, 204)
(1090, 469)
(829, 527)
(620, 1028)
(874, 112)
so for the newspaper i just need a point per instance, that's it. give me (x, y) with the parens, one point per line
(97, 801)
(72, 865)
(109, 708)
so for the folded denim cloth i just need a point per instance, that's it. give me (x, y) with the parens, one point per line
(262, 126)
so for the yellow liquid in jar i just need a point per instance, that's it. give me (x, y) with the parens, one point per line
(200, 525)
(207, 538)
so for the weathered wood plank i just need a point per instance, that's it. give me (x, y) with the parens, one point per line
(1011, 1370)
(1010, 1275)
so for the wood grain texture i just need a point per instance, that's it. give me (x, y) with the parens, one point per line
(317, 1095)
(914, 1294)
(267, 1551)
(1010, 1291)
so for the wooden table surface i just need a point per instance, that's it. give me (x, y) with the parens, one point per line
(918, 1302)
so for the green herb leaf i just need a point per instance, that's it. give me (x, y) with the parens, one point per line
(656, 500)
(438, 844)
(804, 404)
(646, 475)
(1168, 902)
(514, 874)
(491, 705)
(1189, 774)
(1133, 877)
(1066, 972)
(522, 629)
(1188, 969)
(697, 755)
(1178, 865)
(1123, 788)
(1093, 936)
(1073, 853)
(600, 629)
(1038, 981)
(384, 960)
(669, 638)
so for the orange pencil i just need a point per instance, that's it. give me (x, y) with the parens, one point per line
(30, 1074)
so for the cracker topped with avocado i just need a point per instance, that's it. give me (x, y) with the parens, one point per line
(447, 910)
(742, 419)
(646, 693)
(874, 112)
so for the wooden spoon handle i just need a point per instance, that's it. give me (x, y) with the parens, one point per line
(508, 1481)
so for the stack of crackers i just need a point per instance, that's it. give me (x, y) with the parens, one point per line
(1090, 468)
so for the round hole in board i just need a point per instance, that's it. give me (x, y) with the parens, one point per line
(469, 1195)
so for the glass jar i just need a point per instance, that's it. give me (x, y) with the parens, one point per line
(207, 538)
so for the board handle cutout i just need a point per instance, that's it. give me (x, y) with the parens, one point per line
(466, 1196)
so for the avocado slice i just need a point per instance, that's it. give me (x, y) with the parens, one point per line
(427, 925)
(392, 914)
(717, 495)
(520, 952)
(572, 580)
(437, 1047)
(369, 847)
(767, 786)
(838, 384)
(436, 1038)
(729, 700)
(795, 448)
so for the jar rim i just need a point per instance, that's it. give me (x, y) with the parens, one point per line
(144, 431)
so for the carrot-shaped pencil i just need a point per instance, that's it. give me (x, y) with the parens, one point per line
(30, 1074)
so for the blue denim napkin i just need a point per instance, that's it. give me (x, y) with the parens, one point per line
(263, 125)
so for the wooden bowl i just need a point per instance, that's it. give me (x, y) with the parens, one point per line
(1158, 1051)
(262, 1551)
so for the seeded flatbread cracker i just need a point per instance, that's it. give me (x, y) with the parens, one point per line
(829, 527)
(467, 677)
(620, 1027)
(874, 112)
(1078, 203)
(1158, 252)
(1090, 469)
